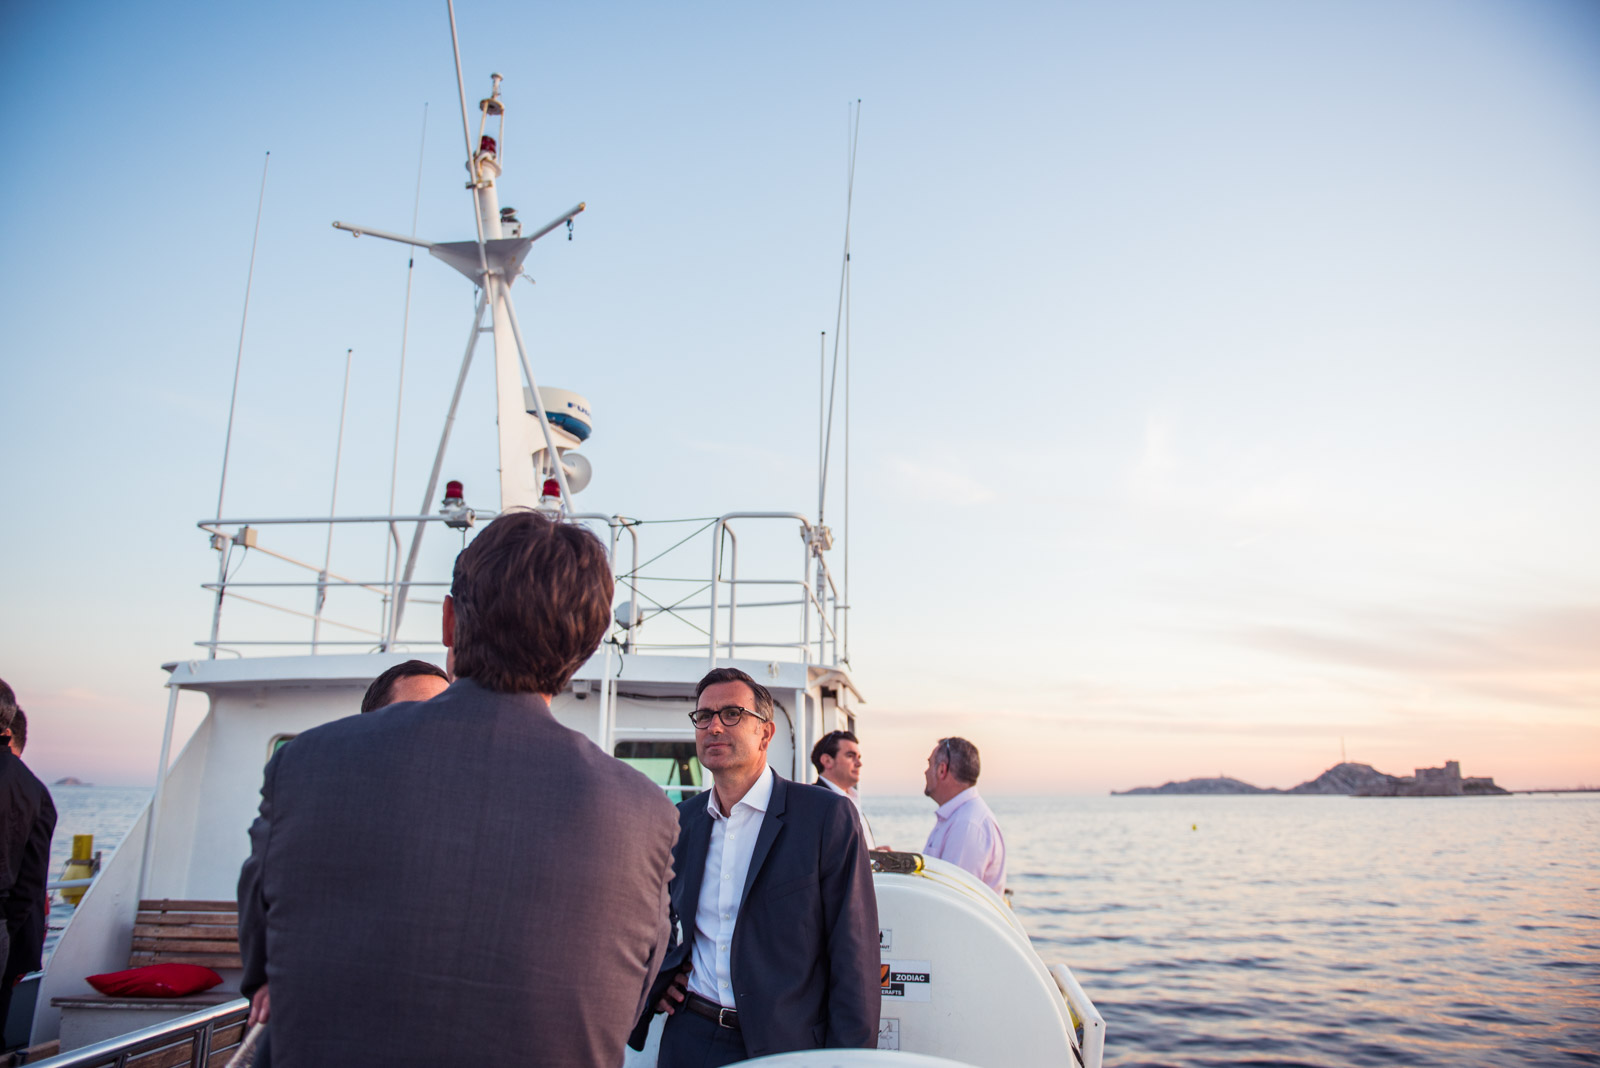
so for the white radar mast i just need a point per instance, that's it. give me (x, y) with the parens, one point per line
(538, 429)
(529, 434)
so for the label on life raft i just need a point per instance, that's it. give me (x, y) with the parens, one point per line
(888, 1033)
(911, 980)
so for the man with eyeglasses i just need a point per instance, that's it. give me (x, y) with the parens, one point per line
(964, 831)
(772, 888)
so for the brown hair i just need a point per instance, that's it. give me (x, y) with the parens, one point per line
(828, 745)
(532, 601)
(378, 695)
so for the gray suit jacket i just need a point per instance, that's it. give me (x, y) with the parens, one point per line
(460, 880)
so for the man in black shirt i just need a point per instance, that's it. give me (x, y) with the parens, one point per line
(27, 821)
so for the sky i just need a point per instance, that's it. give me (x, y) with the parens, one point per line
(1223, 375)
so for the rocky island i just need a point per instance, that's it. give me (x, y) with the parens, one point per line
(1348, 779)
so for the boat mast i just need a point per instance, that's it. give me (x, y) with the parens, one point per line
(530, 447)
(520, 481)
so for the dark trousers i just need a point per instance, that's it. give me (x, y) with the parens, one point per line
(8, 980)
(691, 1041)
(263, 1057)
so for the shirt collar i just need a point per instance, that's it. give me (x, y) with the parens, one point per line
(946, 810)
(758, 797)
(836, 788)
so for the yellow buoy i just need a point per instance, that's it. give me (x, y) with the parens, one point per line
(81, 866)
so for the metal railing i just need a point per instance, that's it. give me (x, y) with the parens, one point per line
(70, 884)
(392, 588)
(654, 617)
(820, 632)
(198, 1031)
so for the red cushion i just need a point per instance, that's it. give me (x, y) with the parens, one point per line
(156, 981)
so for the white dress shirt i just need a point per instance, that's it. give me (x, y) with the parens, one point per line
(965, 834)
(855, 799)
(733, 840)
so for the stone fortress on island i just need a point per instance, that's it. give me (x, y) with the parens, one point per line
(1349, 779)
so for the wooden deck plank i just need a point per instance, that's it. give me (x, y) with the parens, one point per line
(188, 919)
(175, 905)
(167, 1057)
(138, 959)
(231, 1035)
(186, 945)
(169, 932)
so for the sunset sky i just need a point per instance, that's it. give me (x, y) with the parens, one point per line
(1226, 374)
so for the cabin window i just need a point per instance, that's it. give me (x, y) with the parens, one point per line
(667, 763)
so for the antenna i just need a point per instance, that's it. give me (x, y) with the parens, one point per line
(238, 359)
(466, 136)
(405, 329)
(822, 389)
(847, 411)
(844, 268)
(846, 621)
(333, 507)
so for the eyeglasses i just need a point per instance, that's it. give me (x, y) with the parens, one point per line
(945, 745)
(730, 716)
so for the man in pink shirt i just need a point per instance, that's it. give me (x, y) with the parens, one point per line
(964, 831)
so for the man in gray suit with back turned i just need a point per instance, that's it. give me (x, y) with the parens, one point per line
(465, 880)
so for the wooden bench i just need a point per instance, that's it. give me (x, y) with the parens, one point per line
(186, 932)
(165, 931)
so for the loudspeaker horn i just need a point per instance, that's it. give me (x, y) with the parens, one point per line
(578, 470)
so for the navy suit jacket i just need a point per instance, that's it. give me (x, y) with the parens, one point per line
(805, 948)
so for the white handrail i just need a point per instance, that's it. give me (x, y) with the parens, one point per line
(716, 617)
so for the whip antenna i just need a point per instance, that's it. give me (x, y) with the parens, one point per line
(405, 329)
(844, 273)
(238, 359)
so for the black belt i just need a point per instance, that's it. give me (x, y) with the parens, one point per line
(700, 1006)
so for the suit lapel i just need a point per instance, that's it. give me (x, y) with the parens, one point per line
(770, 826)
(696, 845)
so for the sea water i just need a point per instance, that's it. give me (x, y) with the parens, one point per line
(1313, 930)
(1272, 930)
(108, 813)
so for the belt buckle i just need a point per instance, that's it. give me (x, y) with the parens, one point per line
(722, 1020)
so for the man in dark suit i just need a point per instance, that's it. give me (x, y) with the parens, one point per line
(27, 822)
(414, 680)
(772, 888)
(465, 880)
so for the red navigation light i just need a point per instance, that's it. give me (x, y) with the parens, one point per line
(487, 145)
(552, 488)
(453, 491)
